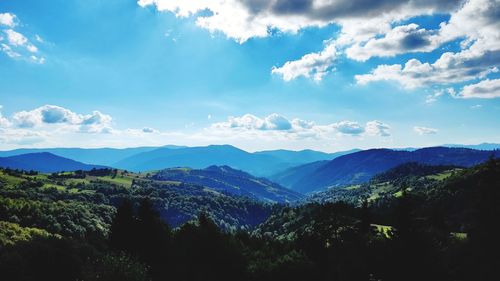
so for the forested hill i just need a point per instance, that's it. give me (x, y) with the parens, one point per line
(228, 180)
(436, 224)
(82, 202)
(360, 167)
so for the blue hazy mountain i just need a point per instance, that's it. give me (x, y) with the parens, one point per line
(303, 156)
(154, 158)
(228, 180)
(97, 156)
(481, 146)
(43, 162)
(289, 177)
(202, 157)
(262, 163)
(361, 166)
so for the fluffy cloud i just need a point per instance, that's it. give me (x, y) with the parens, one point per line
(15, 44)
(424, 130)
(315, 65)
(15, 38)
(149, 130)
(252, 122)
(244, 19)
(399, 40)
(486, 89)
(4, 122)
(8, 51)
(361, 24)
(7, 19)
(276, 125)
(96, 122)
(377, 128)
(348, 128)
(367, 29)
(477, 21)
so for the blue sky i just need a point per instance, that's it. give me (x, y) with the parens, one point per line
(259, 76)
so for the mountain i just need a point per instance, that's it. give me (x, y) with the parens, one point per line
(262, 163)
(303, 156)
(43, 162)
(199, 158)
(97, 156)
(481, 146)
(228, 180)
(361, 166)
(388, 185)
(291, 176)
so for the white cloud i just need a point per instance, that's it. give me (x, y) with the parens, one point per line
(424, 130)
(438, 93)
(477, 21)
(367, 29)
(4, 122)
(8, 19)
(315, 65)
(244, 19)
(252, 122)
(8, 51)
(276, 125)
(15, 38)
(96, 122)
(399, 40)
(149, 130)
(15, 44)
(348, 128)
(377, 128)
(486, 89)
(55, 126)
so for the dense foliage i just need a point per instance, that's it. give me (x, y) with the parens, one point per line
(440, 226)
(228, 180)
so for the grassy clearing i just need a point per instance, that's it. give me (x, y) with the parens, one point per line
(443, 175)
(11, 180)
(50, 185)
(352, 187)
(459, 235)
(119, 180)
(384, 229)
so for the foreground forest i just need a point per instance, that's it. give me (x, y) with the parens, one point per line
(413, 222)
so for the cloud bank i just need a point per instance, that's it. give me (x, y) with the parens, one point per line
(368, 29)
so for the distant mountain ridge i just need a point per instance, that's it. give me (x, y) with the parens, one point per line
(228, 180)
(44, 162)
(361, 166)
(262, 163)
(96, 156)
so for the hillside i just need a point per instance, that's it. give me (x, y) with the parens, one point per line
(43, 162)
(291, 176)
(82, 202)
(361, 166)
(303, 156)
(388, 185)
(227, 180)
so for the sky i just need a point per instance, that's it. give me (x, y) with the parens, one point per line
(328, 75)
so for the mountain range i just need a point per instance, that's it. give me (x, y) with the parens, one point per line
(261, 163)
(359, 167)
